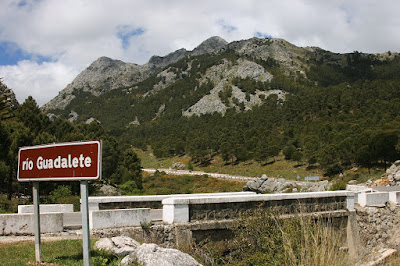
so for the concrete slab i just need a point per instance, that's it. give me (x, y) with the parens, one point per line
(358, 188)
(156, 214)
(176, 210)
(255, 197)
(394, 197)
(44, 208)
(19, 224)
(72, 220)
(118, 218)
(95, 201)
(386, 189)
(373, 199)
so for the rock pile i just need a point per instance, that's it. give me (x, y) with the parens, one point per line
(145, 254)
(178, 166)
(393, 174)
(281, 185)
(379, 227)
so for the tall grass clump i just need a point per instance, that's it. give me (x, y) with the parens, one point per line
(262, 237)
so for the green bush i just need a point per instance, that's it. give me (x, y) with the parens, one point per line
(63, 195)
(58, 193)
(333, 170)
(338, 185)
(10, 206)
(130, 187)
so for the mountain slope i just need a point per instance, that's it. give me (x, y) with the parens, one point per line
(248, 99)
(106, 74)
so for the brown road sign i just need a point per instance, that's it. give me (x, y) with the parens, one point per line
(71, 161)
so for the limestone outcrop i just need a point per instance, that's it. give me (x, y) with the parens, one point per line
(152, 254)
(393, 174)
(281, 185)
(106, 74)
(120, 246)
(145, 254)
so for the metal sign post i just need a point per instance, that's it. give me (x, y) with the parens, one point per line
(36, 221)
(85, 222)
(72, 161)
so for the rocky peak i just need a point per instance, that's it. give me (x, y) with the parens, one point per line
(160, 61)
(210, 45)
(102, 75)
(106, 62)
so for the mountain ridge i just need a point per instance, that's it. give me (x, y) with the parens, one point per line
(216, 76)
(106, 74)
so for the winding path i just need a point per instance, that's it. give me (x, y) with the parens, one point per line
(187, 172)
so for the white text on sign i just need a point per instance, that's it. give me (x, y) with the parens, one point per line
(58, 163)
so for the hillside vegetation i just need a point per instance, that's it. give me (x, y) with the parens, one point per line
(256, 99)
(252, 106)
(27, 125)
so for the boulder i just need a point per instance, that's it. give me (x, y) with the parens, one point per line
(178, 166)
(255, 185)
(152, 254)
(393, 174)
(120, 245)
(281, 185)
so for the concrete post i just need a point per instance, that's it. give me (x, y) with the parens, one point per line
(352, 236)
(350, 202)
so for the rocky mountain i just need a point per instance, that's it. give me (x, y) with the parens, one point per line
(106, 74)
(213, 78)
(246, 100)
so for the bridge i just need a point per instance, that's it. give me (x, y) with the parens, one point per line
(178, 220)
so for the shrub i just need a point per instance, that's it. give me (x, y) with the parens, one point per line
(58, 193)
(130, 187)
(10, 206)
(338, 185)
(63, 195)
(333, 170)
(190, 166)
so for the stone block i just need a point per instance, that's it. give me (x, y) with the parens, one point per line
(358, 188)
(394, 196)
(118, 218)
(373, 198)
(45, 208)
(175, 213)
(20, 224)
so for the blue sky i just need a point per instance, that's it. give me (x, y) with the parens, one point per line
(11, 54)
(45, 44)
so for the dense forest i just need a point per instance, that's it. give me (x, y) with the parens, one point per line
(339, 111)
(339, 117)
(27, 125)
(343, 111)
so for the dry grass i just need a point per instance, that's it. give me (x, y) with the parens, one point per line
(264, 238)
(160, 183)
(280, 168)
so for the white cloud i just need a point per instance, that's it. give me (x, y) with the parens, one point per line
(41, 81)
(74, 33)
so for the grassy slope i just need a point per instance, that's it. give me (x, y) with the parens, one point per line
(165, 184)
(279, 168)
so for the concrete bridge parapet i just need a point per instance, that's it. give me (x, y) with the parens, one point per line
(190, 209)
(146, 201)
